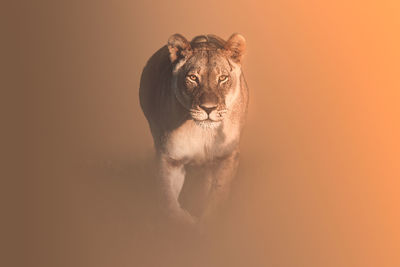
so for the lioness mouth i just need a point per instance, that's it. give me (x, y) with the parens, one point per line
(207, 123)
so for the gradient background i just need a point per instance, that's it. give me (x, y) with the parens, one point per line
(318, 183)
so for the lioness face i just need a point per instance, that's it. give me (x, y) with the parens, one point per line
(205, 83)
(206, 80)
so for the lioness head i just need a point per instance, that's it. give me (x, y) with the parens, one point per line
(206, 75)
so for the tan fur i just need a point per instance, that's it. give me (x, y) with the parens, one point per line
(194, 97)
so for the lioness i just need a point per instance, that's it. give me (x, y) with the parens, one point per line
(195, 97)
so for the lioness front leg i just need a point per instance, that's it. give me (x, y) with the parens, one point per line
(222, 173)
(171, 177)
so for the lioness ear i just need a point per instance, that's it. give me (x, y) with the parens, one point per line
(178, 47)
(236, 47)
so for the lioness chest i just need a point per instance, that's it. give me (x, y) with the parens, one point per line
(194, 144)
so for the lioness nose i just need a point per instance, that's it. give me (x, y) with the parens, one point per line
(209, 102)
(208, 109)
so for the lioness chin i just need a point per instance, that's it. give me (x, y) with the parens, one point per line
(195, 97)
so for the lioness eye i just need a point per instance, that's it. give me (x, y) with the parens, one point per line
(223, 78)
(193, 77)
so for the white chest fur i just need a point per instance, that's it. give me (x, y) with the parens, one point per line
(196, 144)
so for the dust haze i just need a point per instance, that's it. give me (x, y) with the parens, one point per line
(318, 178)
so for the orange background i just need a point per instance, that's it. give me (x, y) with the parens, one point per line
(318, 183)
